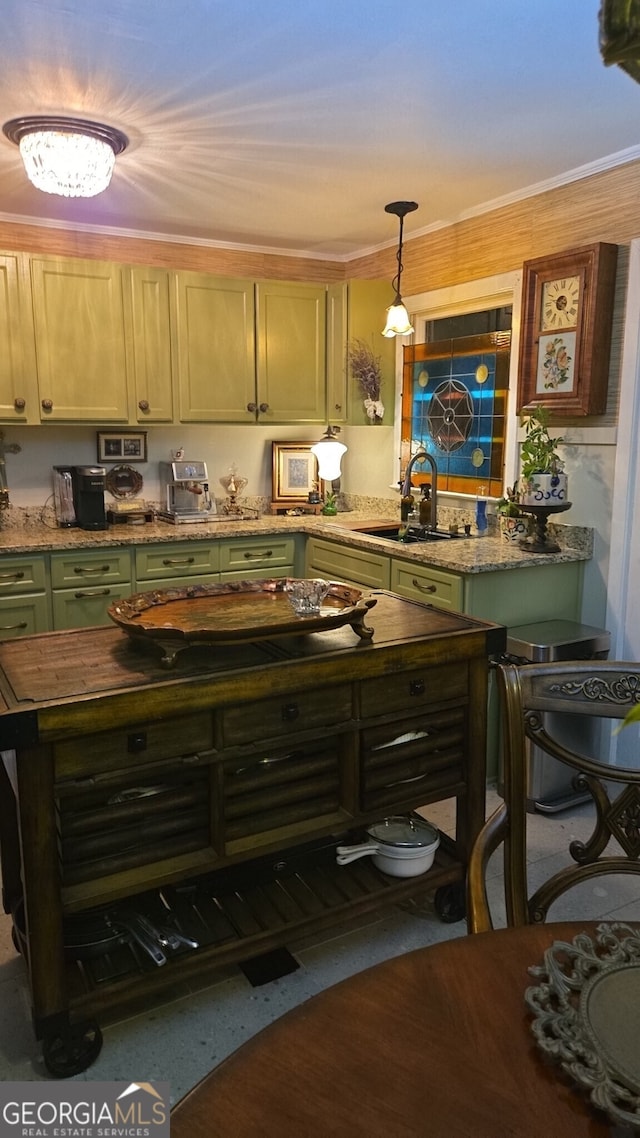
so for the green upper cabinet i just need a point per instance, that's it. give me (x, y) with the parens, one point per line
(357, 312)
(80, 340)
(215, 328)
(151, 340)
(291, 358)
(18, 390)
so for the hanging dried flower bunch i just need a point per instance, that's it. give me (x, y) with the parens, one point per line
(366, 370)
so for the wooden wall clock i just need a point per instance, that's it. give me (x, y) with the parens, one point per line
(565, 340)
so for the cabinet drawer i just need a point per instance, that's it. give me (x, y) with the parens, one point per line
(98, 567)
(257, 553)
(85, 606)
(176, 560)
(22, 575)
(274, 717)
(128, 823)
(421, 583)
(414, 690)
(338, 563)
(414, 761)
(279, 788)
(22, 616)
(119, 750)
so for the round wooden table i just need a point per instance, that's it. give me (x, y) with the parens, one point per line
(432, 1044)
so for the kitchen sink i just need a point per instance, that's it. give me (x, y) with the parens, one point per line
(411, 535)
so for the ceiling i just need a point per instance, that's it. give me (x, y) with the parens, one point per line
(288, 124)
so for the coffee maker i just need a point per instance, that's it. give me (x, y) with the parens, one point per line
(185, 490)
(89, 484)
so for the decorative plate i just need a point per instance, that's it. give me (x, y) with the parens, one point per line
(174, 619)
(123, 481)
(587, 1015)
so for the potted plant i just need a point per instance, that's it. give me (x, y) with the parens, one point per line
(330, 503)
(542, 478)
(512, 524)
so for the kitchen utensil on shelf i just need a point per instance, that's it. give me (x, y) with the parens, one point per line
(402, 846)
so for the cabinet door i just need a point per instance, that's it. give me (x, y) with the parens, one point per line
(23, 616)
(216, 348)
(291, 321)
(356, 311)
(18, 395)
(79, 317)
(86, 605)
(151, 344)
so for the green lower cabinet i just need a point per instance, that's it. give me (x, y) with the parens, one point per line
(258, 557)
(346, 563)
(175, 563)
(24, 615)
(435, 586)
(85, 582)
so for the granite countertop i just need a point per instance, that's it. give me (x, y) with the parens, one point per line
(461, 555)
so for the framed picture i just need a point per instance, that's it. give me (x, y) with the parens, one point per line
(295, 471)
(567, 310)
(121, 446)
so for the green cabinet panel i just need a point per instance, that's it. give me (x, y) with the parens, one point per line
(151, 341)
(512, 597)
(86, 605)
(80, 339)
(422, 583)
(22, 573)
(357, 311)
(18, 391)
(346, 563)
(90, 567)
(291, 361)
(262, 555)
(215, 332)
(23, 615)
(176, 561)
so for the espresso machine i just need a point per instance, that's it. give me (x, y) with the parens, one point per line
(185, 492)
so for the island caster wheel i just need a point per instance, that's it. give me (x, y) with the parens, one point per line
(450, 903)
(72, 1050)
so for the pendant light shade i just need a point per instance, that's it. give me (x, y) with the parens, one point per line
(329, 451)
(70, 157)
(398, 322)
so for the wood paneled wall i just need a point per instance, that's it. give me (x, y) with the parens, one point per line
(602, 207)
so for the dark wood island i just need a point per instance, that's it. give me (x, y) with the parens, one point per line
(207, 802)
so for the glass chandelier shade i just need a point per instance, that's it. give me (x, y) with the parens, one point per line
(329, 451)
(73, 158)
(398, 322)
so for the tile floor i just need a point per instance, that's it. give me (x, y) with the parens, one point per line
(181, 1041)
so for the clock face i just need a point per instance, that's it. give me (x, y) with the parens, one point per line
(560, 303)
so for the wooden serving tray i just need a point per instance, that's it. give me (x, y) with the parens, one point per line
(175, 619)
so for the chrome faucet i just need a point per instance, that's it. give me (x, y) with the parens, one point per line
(420, 456)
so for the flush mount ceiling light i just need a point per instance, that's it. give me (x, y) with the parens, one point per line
(329, 451)
(66, 156)
(398, 323)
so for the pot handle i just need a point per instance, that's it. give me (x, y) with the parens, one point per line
(345, 854)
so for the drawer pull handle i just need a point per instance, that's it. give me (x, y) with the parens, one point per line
(417, 687)
(92, 593)
(87, 571)
(403, 781)
(252, 556)
(423, 588)
(267, 762)
(13, 627)
(178, 560)
(17, 576)
(290, 711)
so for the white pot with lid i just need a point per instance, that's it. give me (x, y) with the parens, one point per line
(400, 846)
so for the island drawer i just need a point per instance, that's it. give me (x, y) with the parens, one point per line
(414, 690)
(85, 757)
(302, 711)
(422, 757)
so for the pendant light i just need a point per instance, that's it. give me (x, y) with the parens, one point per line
(329, 451)
(67, 156)
(398, 322)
